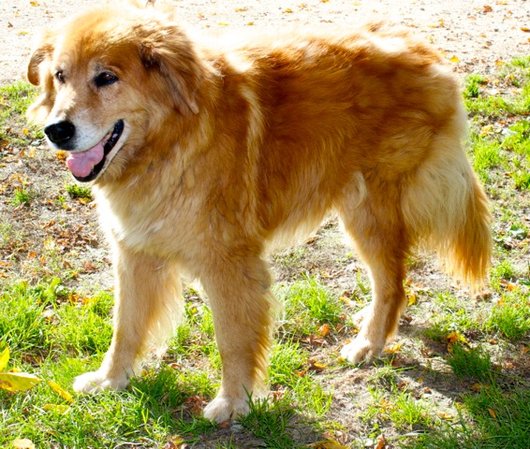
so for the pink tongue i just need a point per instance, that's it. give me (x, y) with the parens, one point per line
(81, 164)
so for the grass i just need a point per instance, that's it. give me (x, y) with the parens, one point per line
(460, 379)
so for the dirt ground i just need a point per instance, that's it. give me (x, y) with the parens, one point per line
(473, 34)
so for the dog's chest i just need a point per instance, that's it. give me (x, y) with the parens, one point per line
(153, 224)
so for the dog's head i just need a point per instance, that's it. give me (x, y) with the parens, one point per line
(106, 78)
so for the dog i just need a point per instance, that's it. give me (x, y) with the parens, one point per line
(201, 156)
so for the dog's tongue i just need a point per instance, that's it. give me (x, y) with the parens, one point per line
(81, 164)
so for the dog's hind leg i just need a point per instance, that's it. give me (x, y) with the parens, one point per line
(147, 308)
(371, 216)
(238, 289)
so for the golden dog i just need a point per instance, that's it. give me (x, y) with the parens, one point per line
(202, 156)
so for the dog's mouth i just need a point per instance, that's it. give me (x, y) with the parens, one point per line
(86, 165)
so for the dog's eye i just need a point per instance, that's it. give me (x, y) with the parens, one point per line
(105, 79)
(59, 76)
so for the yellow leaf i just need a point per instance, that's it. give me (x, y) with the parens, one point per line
(393, 349)
(327, 444)
(223, 24)
(492, 413)
(4, 358)
(18, 381)
(23, 443)
(57, 408)
(60, 391)
(454, 59)
(287, 10)
(412, 299)
(324, 330)
(34, 3)
(61, 155)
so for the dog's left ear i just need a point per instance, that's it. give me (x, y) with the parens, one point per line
(168, 50)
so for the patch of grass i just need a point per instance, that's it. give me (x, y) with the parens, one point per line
(510, 316)
(473, 85)
(470, 363)
(491, 419)
(454, 317)
(22, 197)
(14, 100)
(486, 157)
(77, 191)
(308, 305)
(270, 421)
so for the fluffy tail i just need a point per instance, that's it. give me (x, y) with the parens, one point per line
(445, 207)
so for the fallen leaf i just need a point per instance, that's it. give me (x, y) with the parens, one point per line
(61, 409)
(61, 391)
(393, 349)
(487, 8)
(4, 359)
(287, 10)
(316, 366)
(327, 444)
(324, 330)
(34, 3)
(454, 59)
(381, 442)
(18, 381)
(525, 29)
(23, 443)
(492, 413)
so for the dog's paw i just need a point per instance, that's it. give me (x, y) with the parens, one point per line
(223, 408)
(97, 381)
(360, 350)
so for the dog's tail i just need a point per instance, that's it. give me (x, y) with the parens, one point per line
(445, 207)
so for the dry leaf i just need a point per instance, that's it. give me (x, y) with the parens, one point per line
(60, 391)
(324, 330)
(492, 413)
(34, 3)
(487, 8)
(287, 10)
(454, 59)
(18, 381)
(525, 29)
(4, 359)
(393, 349)
(61, 409)
(23, 443)
(381, 442)
(327, 444)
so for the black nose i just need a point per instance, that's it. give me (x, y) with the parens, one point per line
(60, 133)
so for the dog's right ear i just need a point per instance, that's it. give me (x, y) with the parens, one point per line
(41, 54)
(39, 74)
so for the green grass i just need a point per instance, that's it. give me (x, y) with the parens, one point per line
(77, 191)
(470, 363)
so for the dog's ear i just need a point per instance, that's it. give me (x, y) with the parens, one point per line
(41, 54)
(167, 50)
(39, 74)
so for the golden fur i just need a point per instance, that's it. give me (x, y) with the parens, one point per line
(226, 150)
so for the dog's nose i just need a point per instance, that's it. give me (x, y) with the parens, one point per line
(60, 133)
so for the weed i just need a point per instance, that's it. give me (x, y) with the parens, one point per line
(22, 197)
(77, 191)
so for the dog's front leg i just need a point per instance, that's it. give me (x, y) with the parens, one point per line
(148, 304)
(241, 302)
